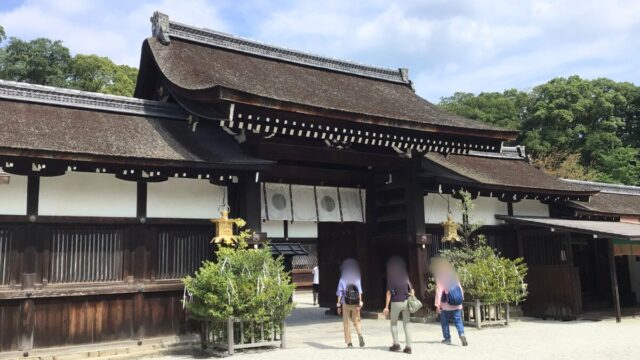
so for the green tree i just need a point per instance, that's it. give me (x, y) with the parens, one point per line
(99, 74)
(572, 127)
(504, 109)
(47, 62)
(40, 61)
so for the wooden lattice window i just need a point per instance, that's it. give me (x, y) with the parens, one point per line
(181, 252)
(86, 254)
(306, 262)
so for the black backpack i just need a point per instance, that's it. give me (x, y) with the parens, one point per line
(352, 295)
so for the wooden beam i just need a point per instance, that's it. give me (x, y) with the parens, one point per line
(319, 155)
(306, 175)
(614, 282)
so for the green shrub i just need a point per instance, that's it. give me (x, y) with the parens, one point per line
(487, 276)
(247, 284)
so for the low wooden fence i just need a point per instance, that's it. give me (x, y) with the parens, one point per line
(234, 334)
(479, 314)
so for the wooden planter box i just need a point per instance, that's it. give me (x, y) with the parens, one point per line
(235, 334)
(479, 314)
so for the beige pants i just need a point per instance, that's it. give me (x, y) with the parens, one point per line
(350, 313)
(397, 309)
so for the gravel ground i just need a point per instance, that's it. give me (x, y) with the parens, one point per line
(312, 335)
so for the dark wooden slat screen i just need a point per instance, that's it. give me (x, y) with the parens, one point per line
(181, 252)
(5, 256)
(306, 262)
(86, 254)
(543, 249)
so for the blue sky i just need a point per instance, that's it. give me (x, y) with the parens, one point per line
(448, 45)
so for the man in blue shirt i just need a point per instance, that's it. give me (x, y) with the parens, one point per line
(349, 303)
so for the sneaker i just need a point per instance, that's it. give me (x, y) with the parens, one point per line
(349, 345)
(361, 340)
(407, 350)
(395, 347)
(446, 341)
(464, 340)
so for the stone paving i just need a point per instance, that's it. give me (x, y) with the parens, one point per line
(312, 335)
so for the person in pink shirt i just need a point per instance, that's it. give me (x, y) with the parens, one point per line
(447, 280)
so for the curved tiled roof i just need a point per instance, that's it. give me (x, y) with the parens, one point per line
(75, 124)
(514, 173)
(613, 199)
(201, 60)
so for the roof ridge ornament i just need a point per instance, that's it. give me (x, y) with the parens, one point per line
(17, 91)
(160, 27)
(163, 29)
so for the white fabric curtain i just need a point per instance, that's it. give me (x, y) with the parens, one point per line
(304, 203)
(278, 202)
(328, 204)
(352, 205)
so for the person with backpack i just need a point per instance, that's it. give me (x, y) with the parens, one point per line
(449, 298)
(399, 290)
(350, 302)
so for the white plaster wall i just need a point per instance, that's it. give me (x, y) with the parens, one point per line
(303, 229)
(486, 210)
(13, 196)
(87, 194)
(435, 209)
(184, 199)
(273, 228)
(529, 207)
(634, 272)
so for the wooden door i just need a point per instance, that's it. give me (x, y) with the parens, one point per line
(337, 242)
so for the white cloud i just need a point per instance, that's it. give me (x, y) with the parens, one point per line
(108, 28)
(449, 46)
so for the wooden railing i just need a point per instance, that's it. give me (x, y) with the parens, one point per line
(234, 334)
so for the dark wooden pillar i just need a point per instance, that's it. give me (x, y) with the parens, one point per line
(614, 282)
(519, 241)
(31, 272)
(510, 208)
(245, 198)
(141, 240)
(414, 199)
(141, 200)
(27, 324)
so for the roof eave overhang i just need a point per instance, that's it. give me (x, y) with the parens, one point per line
(254, 100)
(472, 184)
(457, 179)
(121, 161)
(600, 234)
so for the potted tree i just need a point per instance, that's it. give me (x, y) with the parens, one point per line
(242, 297)
(491, 282)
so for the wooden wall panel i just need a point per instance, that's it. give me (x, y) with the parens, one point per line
(554, 292)
(9, 323)
(70, 301)
(163, 313)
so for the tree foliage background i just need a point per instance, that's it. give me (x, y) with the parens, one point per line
(47, 62)
(572, 127)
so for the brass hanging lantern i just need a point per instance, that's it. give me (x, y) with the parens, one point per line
(450, 230)
(224, 228)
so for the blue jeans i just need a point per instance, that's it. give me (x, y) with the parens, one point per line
(445, 316)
